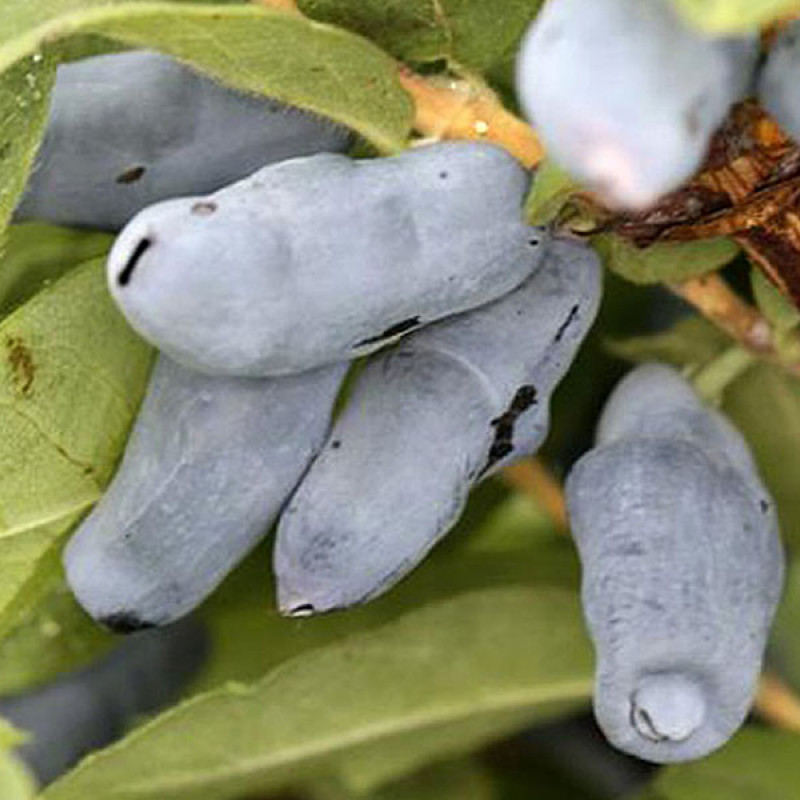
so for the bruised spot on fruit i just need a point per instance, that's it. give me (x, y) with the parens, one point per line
(131, 175)
(504, 425)
(20, 359)
(390, 333)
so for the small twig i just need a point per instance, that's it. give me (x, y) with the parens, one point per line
(777, 703)
(716, 301)
(534, 479)
(711, 380)
(447, 108)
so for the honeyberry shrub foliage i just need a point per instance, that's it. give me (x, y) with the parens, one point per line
(388, 700)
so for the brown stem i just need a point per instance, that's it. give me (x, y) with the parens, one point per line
(716, 301)
(534, 479)
(777, 703)
(453, 109)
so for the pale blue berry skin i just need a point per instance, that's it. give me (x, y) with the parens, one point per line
(682, 569)
(779, 82)
(207, 469)
(321, 259)
(626, 96)
(426, 422)
(127, 130)
(90, 708)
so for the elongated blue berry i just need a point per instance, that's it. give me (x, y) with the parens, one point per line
(682, 569)
(625, 95)
(127, 130)
(207, 469)
(321, 259)
(425, 423)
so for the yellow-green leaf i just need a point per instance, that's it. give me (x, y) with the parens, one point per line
(317, 67)
(72, 375)
(24, 94)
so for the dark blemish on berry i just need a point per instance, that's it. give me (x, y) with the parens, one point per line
(573, 315)
(533, 241)
(131, 175)
(204, 209)
(764, 506)
(503, 444)
(444, 175)
(390, 333)
(124, 277)
(335, 445)
(125, 622)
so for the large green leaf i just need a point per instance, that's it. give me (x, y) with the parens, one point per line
(34, 254)
(72, 375)
(475, 644)
(756, 765)
(471, 33)
(733, 16)
(24, 96)
(313, 66)
(459, 779)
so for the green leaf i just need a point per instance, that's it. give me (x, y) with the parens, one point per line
(24, 96)
(474, 645)
(469, 33)
(733, 16)
(783, 654)
(460, 779)
(779, 310)
(756, 764)
(692, 342)
(551, 191)
(32, 255)
(664, 263)
(54, 636)
(765, 405)
(316, 67)
(72, 375)
(16, 782)
(487, 660)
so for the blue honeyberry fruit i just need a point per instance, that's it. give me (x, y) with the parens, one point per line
(682, 568)
(207, 469)
(127, 130)
(321, 259)
(626, 96)
(426, 422)
(92, 707)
